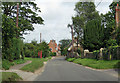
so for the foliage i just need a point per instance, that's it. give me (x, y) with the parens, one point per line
(111, 42)
(27, 14)
(85, 11)
(96, 53)
(32, 49)
(6, 64)
(10, 77)
(93, 35)
(52, 53)
(70, 59)
(109, 20)
(12, 44)
(64, 46)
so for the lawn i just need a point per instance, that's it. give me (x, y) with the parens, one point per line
(36, 64)
(97, 64)
(10, 76)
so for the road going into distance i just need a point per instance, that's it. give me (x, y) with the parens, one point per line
(59, 69)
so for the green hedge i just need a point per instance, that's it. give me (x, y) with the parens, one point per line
(52, 53)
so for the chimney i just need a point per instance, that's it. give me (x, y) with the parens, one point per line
(117, 15)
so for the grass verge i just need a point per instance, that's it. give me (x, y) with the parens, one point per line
(10, 76)
(97, 64)
(36, 64)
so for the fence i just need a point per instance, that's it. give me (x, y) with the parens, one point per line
(112, 53)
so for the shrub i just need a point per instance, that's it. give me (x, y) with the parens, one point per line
(70, 59)
(7, 64)
(52, 53)
(96, 53)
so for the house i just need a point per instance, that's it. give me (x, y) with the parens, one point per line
(53, 45)
(75, 48)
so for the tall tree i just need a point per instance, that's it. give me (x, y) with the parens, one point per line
(110, 25)
(27, 14)
(85, 11)
(93, 35)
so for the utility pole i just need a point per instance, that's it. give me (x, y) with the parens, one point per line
(117, 16)
(71, 26)
(17, 15)
(40, 37)
(17, 20)
(72, 41)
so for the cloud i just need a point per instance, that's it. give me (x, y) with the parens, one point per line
(57, 15)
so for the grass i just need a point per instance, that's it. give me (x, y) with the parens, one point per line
(36, 64)
(70, 59)
(97, 64)
(7, 64)
(10, 76)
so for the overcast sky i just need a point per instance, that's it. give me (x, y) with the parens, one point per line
(57, 15)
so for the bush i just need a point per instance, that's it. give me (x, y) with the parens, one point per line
(19, 61)
(111, 42)
(96, 53)
(52, 53)
(7, 64)
(70, 59)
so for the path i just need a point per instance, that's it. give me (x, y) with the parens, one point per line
(60, 70)
(18, 66)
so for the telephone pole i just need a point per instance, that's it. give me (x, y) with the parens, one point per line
(17, 15)
(117, 16)
(72, 41)
(40, 37)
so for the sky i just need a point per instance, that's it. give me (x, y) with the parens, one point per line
(57, 15)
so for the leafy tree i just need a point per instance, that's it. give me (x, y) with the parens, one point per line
(27, 14)
(12, 47)
(93, 35)
(109, 20)
(64, 46)
(32, 49)
(85, 11)
(8, 34)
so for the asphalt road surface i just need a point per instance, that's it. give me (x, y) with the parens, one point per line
(60, 70)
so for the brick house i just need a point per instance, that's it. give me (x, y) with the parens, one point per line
(53, 45)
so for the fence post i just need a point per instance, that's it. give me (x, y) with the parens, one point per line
(101, 54)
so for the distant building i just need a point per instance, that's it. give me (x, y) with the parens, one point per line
(53, 45)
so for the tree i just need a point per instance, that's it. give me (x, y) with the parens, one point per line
(93, 35)
(109, 20)
(85, 11)
(27, 14)
(8, 33)
(64, 45)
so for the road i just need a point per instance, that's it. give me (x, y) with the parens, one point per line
(60, 70)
